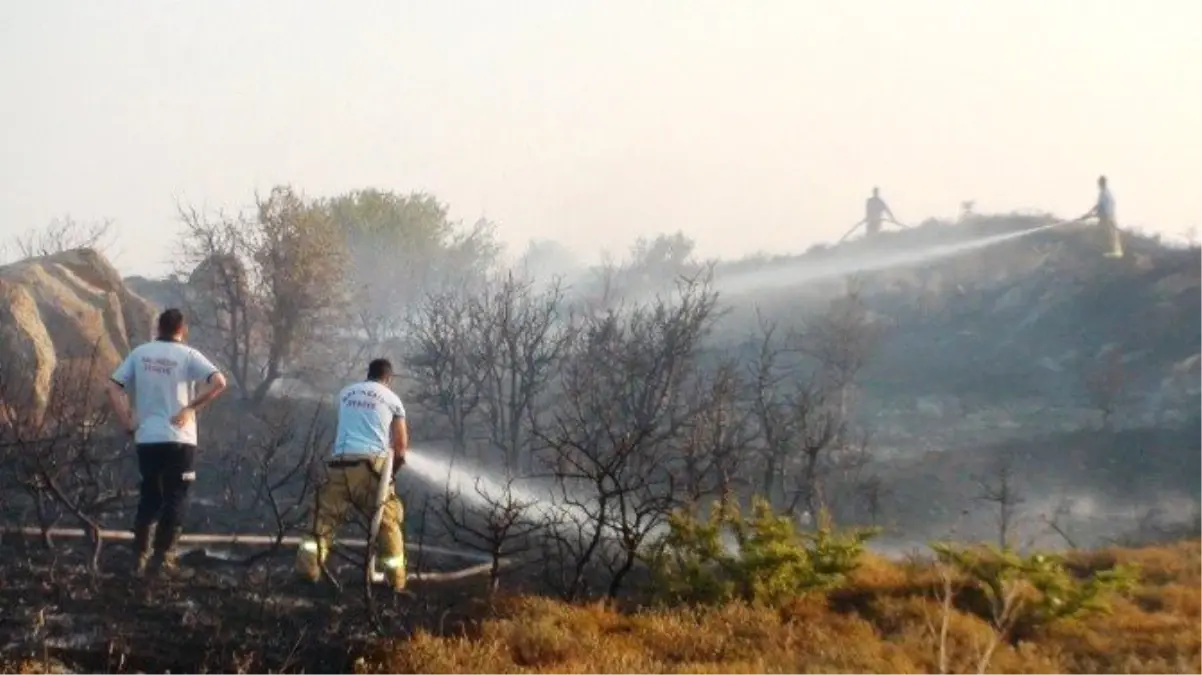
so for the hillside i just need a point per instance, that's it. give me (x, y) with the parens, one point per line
(1020, 320)
(1086, 370)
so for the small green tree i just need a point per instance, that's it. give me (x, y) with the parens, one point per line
(762, 559)
(691, 563)
(1028, 592)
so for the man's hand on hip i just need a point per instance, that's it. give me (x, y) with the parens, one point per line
(183, 417)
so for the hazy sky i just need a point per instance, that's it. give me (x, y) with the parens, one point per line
(754, 125)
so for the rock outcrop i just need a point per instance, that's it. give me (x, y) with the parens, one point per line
(162, 293)
(66, 321)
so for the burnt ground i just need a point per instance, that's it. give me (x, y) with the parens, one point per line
(219, 616)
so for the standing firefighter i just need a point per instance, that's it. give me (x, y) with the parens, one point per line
(875, 209)
(1104, 211)
(163, 374)
(371, 424)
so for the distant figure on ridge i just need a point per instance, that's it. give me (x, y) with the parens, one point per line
(874, 210)
(1103, 210)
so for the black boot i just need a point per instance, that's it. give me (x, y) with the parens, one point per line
(166, 557)
(142, 534)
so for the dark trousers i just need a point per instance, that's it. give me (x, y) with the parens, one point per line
(167, 473)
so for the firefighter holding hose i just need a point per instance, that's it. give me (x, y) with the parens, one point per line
(368, 449)
(875, 211)
(1103, 210)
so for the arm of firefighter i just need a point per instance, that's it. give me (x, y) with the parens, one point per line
(216, 386)
(118, 399)
(120, 405)
(400, 440)
(200, 368)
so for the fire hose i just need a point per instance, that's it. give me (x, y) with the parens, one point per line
(383, 491)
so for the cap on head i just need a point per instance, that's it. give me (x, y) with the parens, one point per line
(171, 324)
(379, 370)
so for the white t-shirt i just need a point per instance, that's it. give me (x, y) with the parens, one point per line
(164, 374)
(365, 414)
(1105, 203)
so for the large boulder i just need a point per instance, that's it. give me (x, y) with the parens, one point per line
(162, 293)
(66, 321)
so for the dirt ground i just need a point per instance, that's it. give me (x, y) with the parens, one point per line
(218, 616)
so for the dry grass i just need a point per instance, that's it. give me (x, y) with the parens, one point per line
(886, 620)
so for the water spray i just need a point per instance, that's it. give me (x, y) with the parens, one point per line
(475, 486)
(818, 270)
(483, 492)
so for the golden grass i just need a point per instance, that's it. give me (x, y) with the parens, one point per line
(886, 619)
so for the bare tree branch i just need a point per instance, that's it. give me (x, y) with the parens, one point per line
(65, 234)
(621, 413)
(266, 291)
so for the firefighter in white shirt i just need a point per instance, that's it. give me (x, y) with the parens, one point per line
(163, 375)
(1103, 210)
(371, 424)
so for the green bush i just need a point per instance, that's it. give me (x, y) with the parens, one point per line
(762, 559)
(1036, 589)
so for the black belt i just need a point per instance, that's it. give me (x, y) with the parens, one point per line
(349, 463)
(346, 463)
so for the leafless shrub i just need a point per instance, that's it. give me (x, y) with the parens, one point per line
(840, 340)
(1105, 380)
(439, 360)
(801, 389)
(501, 523)
(272, 475)
(62, 457)
(796, 420)
(614, 435)
(1056, 520)
(770, 406)
(485, 359)
(574, 532)
(65, 234)
(720, 437)
(521, 340)
(872, 492)
(1000, 490)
